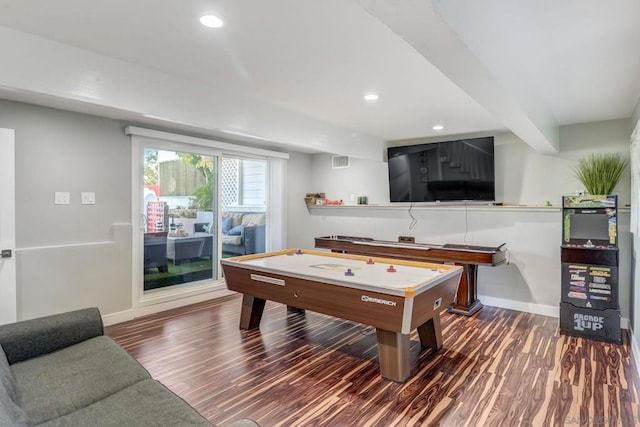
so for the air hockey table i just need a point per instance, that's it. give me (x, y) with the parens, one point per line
(394, 296)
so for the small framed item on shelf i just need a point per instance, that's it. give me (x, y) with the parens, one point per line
(315, 199)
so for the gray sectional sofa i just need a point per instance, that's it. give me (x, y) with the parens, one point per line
(62, 371)
(249, 237)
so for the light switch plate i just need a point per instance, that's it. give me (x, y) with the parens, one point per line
(62, 198)
(88, 198)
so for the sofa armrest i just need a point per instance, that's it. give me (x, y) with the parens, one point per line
(253, 239)
(31, 338)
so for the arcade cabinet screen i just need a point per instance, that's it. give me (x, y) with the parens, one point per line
(589, 227)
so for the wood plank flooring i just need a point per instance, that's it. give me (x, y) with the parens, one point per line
(498, 368)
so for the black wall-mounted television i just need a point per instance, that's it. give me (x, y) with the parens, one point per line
(461, 170)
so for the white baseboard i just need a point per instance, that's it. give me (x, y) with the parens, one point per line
(121, 316)
(168, 305)
(152, 307)
(528, 307)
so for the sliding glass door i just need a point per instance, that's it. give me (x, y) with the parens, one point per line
(243, 201)
(184, 190)
(179, 205)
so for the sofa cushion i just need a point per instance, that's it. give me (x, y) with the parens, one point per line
(231, 240)
(7, 380)
(236, 231)
(10, 413)
(253, 219)
(146, 403)
(237, 218)
(31, 338)
(227, 224)
(72, 378)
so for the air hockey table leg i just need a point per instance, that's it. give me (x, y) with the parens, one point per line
(295, 310)
(393, 355)
(251, 314)
(430, 333)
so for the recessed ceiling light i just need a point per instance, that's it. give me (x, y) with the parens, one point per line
(211, 21)
(371, 97)
(437, 127)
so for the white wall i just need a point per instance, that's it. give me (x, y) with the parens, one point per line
(70, 256)
(364, 177)
(635, 292)
(8, 293)
(299, 183)
(635, 116)
(523, 177)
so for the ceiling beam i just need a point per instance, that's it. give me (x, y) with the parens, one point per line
(421, 25)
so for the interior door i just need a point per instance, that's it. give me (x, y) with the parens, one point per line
(8, 299)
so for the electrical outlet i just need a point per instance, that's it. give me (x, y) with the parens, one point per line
(88, 198)
(62, 198)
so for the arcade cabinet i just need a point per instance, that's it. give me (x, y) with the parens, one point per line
(589, 305)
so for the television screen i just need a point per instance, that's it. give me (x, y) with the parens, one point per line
(589, 227)
(461, 170)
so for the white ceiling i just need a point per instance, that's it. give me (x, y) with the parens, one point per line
(475, 67)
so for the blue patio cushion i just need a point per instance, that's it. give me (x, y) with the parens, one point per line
(236, 231)
(227, 224)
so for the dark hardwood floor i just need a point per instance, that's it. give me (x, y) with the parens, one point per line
(498, 368)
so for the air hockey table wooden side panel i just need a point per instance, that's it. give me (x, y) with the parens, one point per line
(383, 300)
(337, 301)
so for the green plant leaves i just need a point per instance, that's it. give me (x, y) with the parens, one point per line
(599, 173)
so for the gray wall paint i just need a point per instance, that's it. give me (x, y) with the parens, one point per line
(67, 277)
(299, 183)
(70, 256)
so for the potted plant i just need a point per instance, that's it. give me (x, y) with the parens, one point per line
(600, 173)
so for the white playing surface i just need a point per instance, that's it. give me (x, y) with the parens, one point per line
(331, 269)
